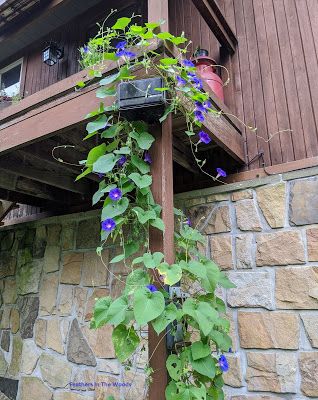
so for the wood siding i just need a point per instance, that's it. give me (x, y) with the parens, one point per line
(274, 71)
(184, 17)
(71, 37)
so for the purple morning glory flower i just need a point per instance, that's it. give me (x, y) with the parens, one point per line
(197, 83)
(198, 116)
(121, 45)
(115, 194)
(152, 288)
(188, 63)
(191, 74)
(147, 158)
(100, 175)
(86, 49)
(200, 106)
(221, 172)
(187, 222)
(204, 137)
(207, 104)
(121, 161)
(125, 53)
(180, 81)
(108, 225)
(223, 364)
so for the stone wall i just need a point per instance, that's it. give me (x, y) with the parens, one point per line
(264, 234)
(50, 275)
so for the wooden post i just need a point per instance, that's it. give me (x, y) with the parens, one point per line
(159, 10)
(162, 188)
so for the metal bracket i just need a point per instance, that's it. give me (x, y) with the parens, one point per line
(178, 293)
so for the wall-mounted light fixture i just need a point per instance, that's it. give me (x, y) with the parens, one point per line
(52, 53)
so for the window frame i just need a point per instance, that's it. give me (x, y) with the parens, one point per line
(10, 66)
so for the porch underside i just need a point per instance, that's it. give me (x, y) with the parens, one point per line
(38, 166)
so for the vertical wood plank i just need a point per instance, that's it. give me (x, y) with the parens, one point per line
(267, 82)
(258, 96)
(249, 117)
(159, 10)
(162, 188)
(278, 82)
(310, 58)
(288, 70)
(307, 114)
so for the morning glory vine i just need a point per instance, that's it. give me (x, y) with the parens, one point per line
(128, 211)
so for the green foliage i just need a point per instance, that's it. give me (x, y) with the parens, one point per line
(147, 305)
(120, 159)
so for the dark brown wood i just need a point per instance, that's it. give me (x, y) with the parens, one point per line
(273, 170)
(38, 173)
(162, 188)
(217, 23)
(297, 134)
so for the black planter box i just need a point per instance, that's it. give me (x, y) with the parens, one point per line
(138, 100)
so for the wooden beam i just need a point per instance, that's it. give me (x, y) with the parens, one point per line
(35, 189)
(22, 198)
(273, 170)
(162, 188)
(216, 21)
(221, 132)
(5, 208)
(42, 175)
(29, 218)
(183, 156)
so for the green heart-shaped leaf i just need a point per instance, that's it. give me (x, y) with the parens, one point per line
(172, 273)
(141, 181)
(147, 305)
(169, 315)
(125, 342)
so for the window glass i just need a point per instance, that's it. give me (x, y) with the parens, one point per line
(10, 80)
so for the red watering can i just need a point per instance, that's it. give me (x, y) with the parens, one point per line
(206, 69)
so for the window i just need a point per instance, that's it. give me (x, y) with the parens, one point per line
(10, 78)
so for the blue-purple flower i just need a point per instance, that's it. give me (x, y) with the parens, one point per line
(147, 158)
(100, 175)
(86, 49)
(115, 194)
(203, 107)
(204, 137)
(220, 172)
(108, 225)
(180, 81)
(197, 83)
(200, 106)
(198, 116)
(223, 364)
(121, 161)
(188, 63)
(121, 45)
(125, 53)
(187, 222)
(191, 75)
(152, 288)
